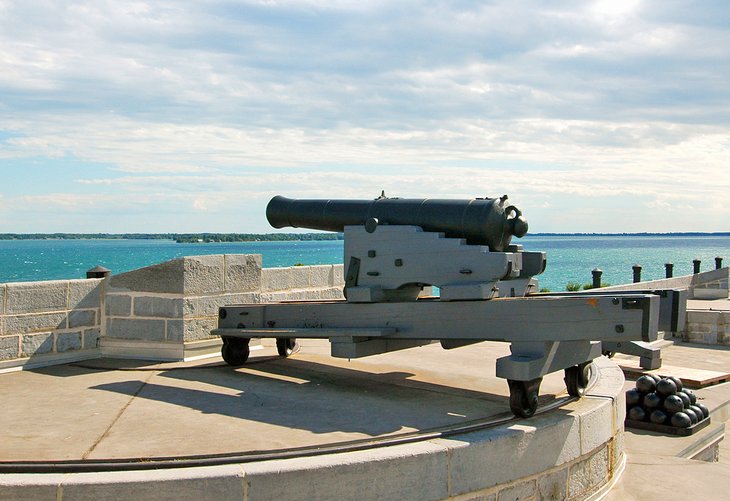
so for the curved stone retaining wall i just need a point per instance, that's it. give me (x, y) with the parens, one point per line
(570, 453)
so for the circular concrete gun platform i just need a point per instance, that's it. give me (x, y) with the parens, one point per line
(417, 424)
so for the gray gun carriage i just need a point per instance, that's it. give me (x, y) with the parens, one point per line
(396, 248)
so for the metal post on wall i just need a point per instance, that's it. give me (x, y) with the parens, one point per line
(718, 262)
(597, 272)
(98, 272)
(669, 270)
(696, 263)
(637, 273)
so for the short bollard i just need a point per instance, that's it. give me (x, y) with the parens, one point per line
(98, 272)
(696, 263)
(597, 277)
(718, 262)
(637, 273)
(669, 270)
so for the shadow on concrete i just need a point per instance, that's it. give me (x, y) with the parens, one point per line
(317, 398)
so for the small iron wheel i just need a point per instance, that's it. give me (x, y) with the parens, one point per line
(523, 397)
(286, 346)
(235, 351)
(577, 378)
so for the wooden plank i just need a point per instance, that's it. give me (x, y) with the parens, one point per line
(691, 377)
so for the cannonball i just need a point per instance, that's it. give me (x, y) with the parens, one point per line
(691, 395)
(681, 420)
(637, 413)
(698, 411)
(666, 387)
(685, 399)
(677, 381)
(633, 397)
(655, 377)
(658, 416)
(652, 400)
(692, 415)
(704, 409)
(645, 384)
(673, 404)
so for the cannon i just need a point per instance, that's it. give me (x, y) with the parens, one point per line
(481, 221)
(483, 287)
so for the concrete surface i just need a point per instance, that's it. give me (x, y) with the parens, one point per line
(111, 408)
(653, 470)
(116, 409)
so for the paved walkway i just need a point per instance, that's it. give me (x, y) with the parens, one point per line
(653, 469)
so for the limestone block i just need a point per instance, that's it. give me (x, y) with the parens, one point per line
(128, 328)
(199, 328)
(585, 476)
(332, 293)
(553, 486)
(579, 479)
(22, 324)
(209, 483)
(9, 347)
(418, 471)
(91, 338)
(299, 277)
(242, 272)
(35, 344)
(67, 341)
(338, 275)
(118, 305)
(596, 427)
(203, 274)
(32, 297)
(479, 464)
(152, 306)
(84, 293)
(275, 279)
(186, 275)
(320, 276)
(81, 318)
(205, 306)
(522, 490)
(165, 277)
(175, 330)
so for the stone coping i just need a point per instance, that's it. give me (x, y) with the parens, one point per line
(570, 452)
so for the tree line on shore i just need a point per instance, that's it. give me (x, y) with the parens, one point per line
(177, 237)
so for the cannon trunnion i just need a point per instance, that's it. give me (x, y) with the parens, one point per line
(395, 249)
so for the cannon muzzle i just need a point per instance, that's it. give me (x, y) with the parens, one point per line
(481, 221)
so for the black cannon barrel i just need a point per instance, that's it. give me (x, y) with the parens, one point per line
(481, 221)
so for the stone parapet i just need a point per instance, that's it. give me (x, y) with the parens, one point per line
(164, 311)
(41, 322)
(707, 327)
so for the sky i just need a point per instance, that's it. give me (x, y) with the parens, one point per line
(175, 116)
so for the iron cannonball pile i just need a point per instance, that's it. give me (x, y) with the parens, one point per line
(663, 402)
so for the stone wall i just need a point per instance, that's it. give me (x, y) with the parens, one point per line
(42, 322)
(166, 311)
(707, 327)
(161, 312)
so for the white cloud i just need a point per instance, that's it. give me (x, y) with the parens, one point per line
(193, 108)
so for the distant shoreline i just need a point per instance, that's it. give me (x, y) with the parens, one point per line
(284, 237)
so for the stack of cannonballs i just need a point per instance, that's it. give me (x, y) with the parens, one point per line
(663, 401)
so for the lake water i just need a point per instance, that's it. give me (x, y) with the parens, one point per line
(569, 258)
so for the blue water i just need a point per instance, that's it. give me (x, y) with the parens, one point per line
(569, 258)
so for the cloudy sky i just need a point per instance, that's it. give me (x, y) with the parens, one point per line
(173, 116)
